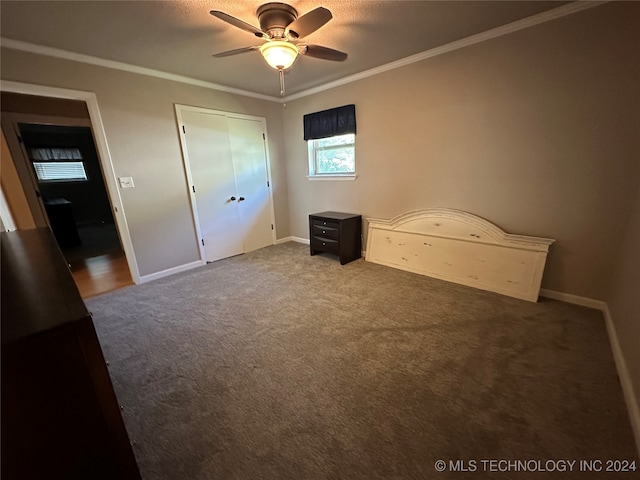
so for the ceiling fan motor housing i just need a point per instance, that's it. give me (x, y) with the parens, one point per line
(281, 28)
(275, 17)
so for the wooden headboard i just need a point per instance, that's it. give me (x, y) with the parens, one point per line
(462, 248)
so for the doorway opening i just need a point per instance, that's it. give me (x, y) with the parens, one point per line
(96, 270)
(70, 184)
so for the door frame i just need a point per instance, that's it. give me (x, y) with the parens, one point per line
(187, 166)
(10, 127)
(104, 156)
(8, 225)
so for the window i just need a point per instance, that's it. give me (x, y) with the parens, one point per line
(331, 139)
(332, 156)
(60, 171)
(58, 164)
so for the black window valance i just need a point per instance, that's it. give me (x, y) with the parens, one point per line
(329, 123)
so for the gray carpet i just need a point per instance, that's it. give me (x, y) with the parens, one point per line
(279, 365)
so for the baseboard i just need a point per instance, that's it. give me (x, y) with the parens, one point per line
(292, 239)
(170, 271)
(306, 241)
(573, 299)
(630, 397)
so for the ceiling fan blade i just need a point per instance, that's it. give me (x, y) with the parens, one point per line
(309, 22)
(324, 53)
(236, 22)
(236, 51)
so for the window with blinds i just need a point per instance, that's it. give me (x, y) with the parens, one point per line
(58, 164)
(60, 171)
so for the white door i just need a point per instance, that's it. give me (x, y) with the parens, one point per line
(227, 166)
(213, 184)
(250, 166)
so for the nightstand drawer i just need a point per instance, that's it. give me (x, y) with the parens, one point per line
(325, 244)
(326, 232)
(324, 223)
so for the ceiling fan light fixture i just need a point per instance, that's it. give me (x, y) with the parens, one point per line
(279, 54)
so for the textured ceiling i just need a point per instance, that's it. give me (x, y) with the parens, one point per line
(179, 36)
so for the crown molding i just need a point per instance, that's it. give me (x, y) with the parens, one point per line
(126, 67)
(573, 7)
(527, 22)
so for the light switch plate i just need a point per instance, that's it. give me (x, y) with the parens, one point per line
(126, 182)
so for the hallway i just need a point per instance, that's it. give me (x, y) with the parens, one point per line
(98, 263)
(101, 274)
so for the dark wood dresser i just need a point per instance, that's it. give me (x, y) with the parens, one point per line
(337, 233)
(60, 416)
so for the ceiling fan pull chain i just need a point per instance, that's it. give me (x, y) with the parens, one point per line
(281, 71)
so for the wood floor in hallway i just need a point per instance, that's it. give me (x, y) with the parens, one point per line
(101, 274)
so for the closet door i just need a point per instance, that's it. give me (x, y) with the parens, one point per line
(250, 166)
(213, 184)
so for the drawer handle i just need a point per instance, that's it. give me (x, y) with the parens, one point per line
(323, 244)
(324, 223)
(324, 231)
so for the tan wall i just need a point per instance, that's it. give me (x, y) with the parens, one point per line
(536, 131)
(12, 188)
(140, 124)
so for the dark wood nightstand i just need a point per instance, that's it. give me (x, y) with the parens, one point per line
(338, 233)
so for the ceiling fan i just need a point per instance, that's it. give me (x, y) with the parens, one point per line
(282, 28)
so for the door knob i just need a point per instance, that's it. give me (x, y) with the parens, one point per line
(232, 199)
(241, 199)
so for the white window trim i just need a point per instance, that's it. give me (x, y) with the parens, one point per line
(333, 177)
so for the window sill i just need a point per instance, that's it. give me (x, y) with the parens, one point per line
(332, 178)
